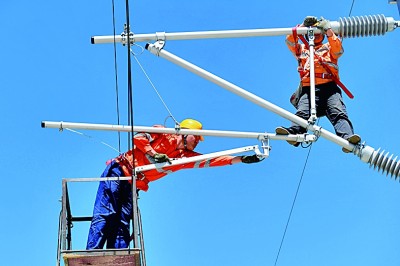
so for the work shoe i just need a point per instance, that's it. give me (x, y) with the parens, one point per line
(353, 139)
(285, 131)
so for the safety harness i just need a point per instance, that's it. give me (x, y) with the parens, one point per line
(328, 75)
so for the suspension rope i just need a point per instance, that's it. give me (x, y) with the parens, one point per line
(154, 87)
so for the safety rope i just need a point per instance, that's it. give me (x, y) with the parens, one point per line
(92, 138)
(154, 87)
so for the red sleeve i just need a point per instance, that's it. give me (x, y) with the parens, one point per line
(293, 44)
(142, 140)
(336, 46)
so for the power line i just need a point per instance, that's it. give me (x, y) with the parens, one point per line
(293, 203)
(116, 75)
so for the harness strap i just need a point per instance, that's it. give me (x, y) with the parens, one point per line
(319, 75)
(335, 78)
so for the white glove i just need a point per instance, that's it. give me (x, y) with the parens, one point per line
(323, 24)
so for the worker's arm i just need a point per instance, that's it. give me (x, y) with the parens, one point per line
(335, 43)
(142, 142)
(293, 44)
(336, 49)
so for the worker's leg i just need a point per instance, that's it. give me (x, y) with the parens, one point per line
(106, 209)
(303, 111)
(336, 112)
(123, 237)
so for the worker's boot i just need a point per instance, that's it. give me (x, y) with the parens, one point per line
(287, 131)
(353, 139)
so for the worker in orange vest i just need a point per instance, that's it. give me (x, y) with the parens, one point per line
(113, 206)
(328, 96)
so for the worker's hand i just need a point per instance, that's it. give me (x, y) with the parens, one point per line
(161, 158)
(310, 21)
(251, 159)
(323, 24)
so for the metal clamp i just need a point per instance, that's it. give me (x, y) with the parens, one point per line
(265, 147)
(160, 36)
(156, 47)
(311, 36)
(124, 34)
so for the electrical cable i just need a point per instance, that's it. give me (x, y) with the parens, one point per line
(293, 203)
(116, 75)
(351, 8)
(135, 219)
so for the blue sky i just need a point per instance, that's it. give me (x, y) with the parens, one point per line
(345, 213)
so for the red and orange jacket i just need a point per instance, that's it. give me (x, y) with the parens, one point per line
(327, 52)
(161, 143)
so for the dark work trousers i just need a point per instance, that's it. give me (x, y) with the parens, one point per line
(112, 212)
(329, 103)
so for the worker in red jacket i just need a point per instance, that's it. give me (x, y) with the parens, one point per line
(113, 206)
(328, 96)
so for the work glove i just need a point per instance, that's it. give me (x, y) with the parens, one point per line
(323, 24)
(251, 159)
(310, 21)
(161, 158)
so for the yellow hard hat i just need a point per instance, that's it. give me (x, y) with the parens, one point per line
(192, 124)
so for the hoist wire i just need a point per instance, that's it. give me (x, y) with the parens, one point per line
(154, 87)
(116, 74)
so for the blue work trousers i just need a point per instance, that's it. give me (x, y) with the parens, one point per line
(112, 212)
(329, 103)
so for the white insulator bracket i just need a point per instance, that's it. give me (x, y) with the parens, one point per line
(364, 152)
(161, 36)
(156, 47)
(265, 147)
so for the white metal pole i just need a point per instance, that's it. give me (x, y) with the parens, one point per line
(313, 110)
(197, 35)
(195, 158)
(203, 132)
(346, 27)
(249, 96)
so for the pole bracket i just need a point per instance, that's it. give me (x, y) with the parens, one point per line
(124, 36)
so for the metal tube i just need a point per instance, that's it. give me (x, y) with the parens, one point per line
(123, 128)
(345, 27)
(195, 158)
(313, 110)
(249, 96)
(198, 35)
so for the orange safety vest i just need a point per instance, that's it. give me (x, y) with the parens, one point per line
(161, 143)
(325, 60)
